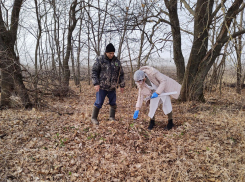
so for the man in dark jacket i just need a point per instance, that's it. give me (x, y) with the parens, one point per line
(107, 75)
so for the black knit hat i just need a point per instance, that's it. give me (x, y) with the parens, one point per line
(110, 48)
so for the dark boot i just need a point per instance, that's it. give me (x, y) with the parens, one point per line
(95, 115)
(152, 124)
(169, 125)
(112, 113)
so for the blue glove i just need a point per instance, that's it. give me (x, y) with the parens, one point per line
(154, 95)
(136, 113)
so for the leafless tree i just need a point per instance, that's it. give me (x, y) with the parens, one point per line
(238, 47)
(39, 34)
(12, 80)
(71, 27)
(201, 59)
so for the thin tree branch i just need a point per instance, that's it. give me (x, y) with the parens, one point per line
(216, 10)
(234, 35)
(188, 7)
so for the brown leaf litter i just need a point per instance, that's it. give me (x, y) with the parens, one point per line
(58, 142)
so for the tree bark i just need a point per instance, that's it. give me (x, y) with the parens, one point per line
(12, 80)
(198, 51)
(238, 48)
(66, 69)
(78, 56)
(39, 34)
(175, 27)
(201, 60)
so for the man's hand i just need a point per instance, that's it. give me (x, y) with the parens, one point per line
(97, 88)
(122, 90)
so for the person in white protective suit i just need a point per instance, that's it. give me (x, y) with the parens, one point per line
(156, 88)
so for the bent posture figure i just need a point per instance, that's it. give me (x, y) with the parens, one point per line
(156, 88)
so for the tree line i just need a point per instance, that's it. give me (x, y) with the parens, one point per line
(57, 37)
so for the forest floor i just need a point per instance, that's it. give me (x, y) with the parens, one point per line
(57, 142)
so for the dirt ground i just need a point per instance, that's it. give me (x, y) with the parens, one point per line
(57, 142)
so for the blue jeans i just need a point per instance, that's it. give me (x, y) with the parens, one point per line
(100, 97)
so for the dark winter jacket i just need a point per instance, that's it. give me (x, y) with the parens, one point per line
(108, 73)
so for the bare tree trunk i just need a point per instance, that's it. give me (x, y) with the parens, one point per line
(7, 81)
(50, 40)
(239, 67)
(78, 56)
(131, 66)
(19, 85)
(57, 37)
(243, 79)
(141, 46)
(175, 27)
(98, 52)
(72, 25)
(73, 65)
(10, 65)
(218, 70)
(36, 51)
(238, 47)
(88, 57)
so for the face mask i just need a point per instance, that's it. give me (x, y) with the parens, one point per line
(140, 82)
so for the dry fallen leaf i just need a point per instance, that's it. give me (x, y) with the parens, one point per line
(54, 145)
